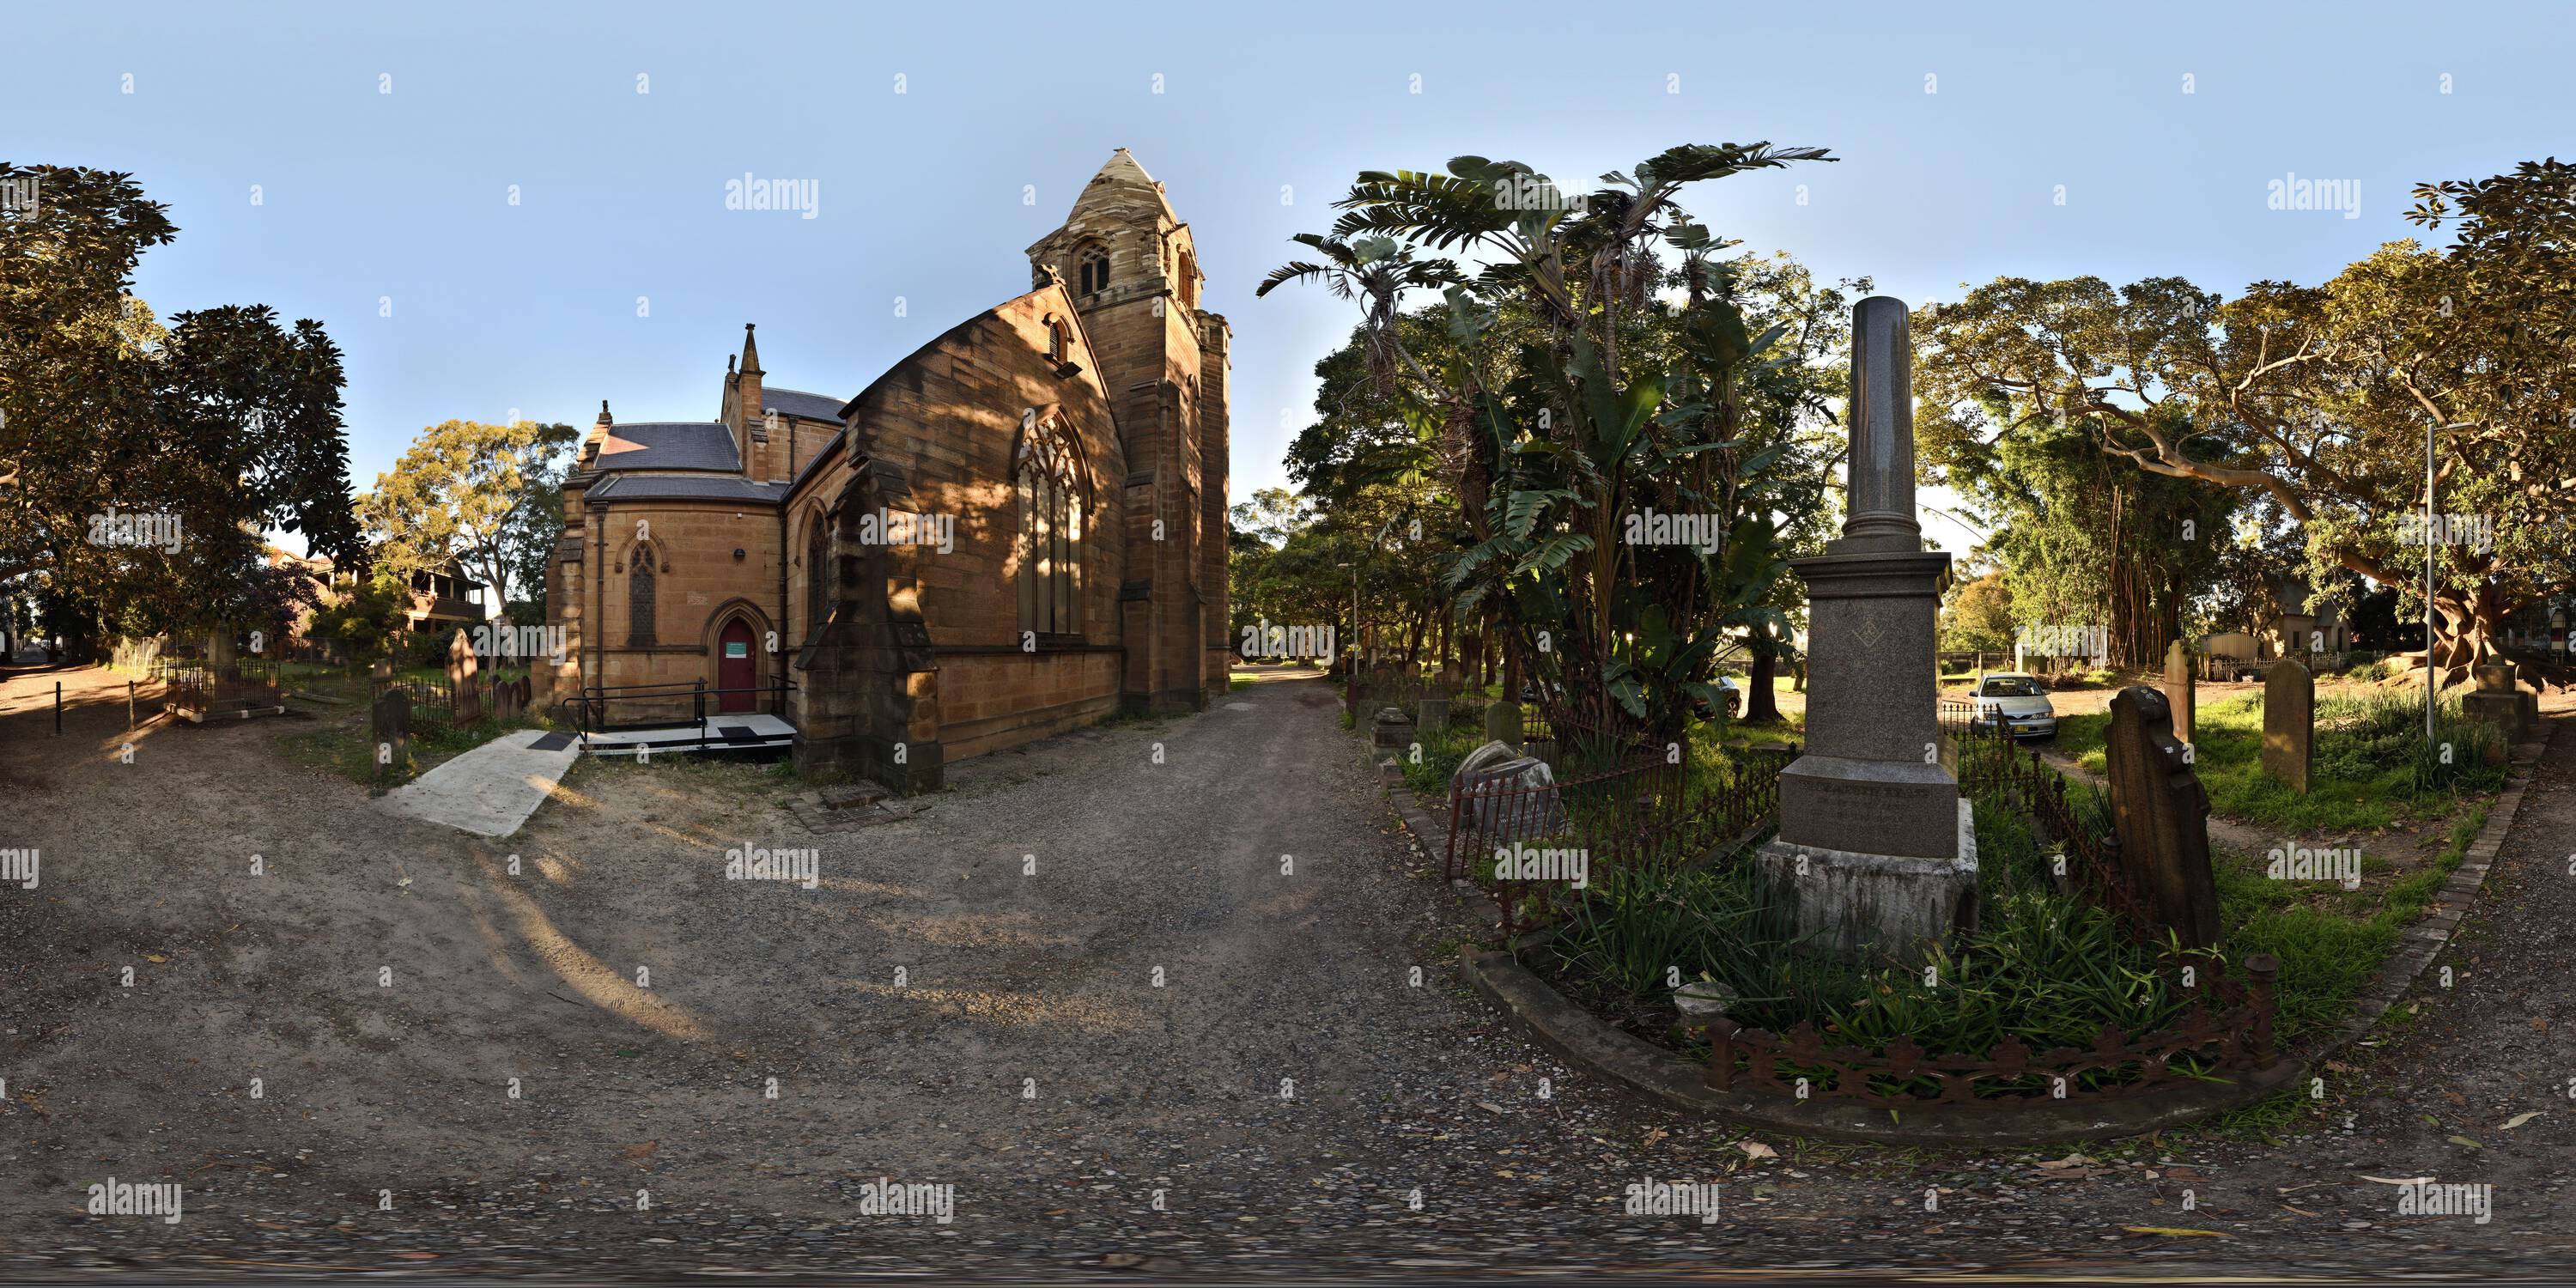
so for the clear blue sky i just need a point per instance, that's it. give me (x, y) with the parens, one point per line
(404, 195)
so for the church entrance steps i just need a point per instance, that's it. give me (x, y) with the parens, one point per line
(750, 731)
(489, 791)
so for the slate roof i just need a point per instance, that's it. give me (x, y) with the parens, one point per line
(686, 487)
(797, 402)
(669, 445)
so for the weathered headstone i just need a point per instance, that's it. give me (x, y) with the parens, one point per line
(1503, 723)
(1514, 800)
(389, 732)
(2499, 701)
(460, 680)
(2161, 814)
(1482, 761)
(1390, 731)
(1875, 858)
(2290, 723)
(2178, 689)
(508, 700)
(381, 669)
(1431, 717)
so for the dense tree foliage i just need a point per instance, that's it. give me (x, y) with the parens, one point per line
(1572, 388)
(140, 466)
(2318, 399)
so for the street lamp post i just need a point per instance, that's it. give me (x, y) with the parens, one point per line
(2432, 682)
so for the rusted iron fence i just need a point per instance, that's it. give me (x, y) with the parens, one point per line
(1529, 843)
(1367, 689)
(435, 699)
(1993, 767)
(2225, 1027)
(197, 691)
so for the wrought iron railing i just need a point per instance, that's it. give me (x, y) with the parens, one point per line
(661, 706)
(1645, 814)
(2226, 1027)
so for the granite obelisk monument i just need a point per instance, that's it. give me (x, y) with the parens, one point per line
(1875, 857)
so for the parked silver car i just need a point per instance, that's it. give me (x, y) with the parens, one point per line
(2016, 701)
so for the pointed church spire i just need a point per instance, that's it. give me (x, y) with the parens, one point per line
(1121, 181)
(598, 434)
(750, 352)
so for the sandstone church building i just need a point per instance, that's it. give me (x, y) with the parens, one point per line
(1018, 529)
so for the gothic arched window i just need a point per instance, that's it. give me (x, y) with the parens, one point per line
(639, 599)
(820, 576)
(1095, 269)
(1048, 477)
(1059, 341)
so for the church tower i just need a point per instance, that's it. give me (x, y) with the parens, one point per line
(1132, 270)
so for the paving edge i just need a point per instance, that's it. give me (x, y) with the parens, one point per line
(2423, 941)
(1585, 1042)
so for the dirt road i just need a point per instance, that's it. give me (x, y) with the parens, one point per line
(1277, 1105)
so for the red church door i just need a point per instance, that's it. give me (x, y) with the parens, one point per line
(736, 672)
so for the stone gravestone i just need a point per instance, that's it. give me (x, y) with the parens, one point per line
(389, 732)
(1480, 761)
(1510, 797)
(2178, 691)
(1875, 859)
(1503, 723)
(2162, 816)
(1391, 732)
(507, 700)
(2289, 723)
(1431, 718)
(2497, 701)
(460, 680)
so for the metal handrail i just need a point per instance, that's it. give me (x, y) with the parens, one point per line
(591, 704)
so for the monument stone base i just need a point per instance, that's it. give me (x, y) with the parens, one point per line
(1872, 909)
(1895, 807)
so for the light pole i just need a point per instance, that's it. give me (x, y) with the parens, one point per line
(1352, 644)
(2432, 682)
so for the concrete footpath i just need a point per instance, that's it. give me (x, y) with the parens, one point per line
(489, 791)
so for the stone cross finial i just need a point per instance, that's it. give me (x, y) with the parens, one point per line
(1881, 411)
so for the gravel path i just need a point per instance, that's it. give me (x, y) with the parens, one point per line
(1088, 1120)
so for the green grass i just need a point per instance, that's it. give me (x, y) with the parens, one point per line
(1238, 683)
(2045, 967)
(2371, 771)
(344, 747)
(2330, 941)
